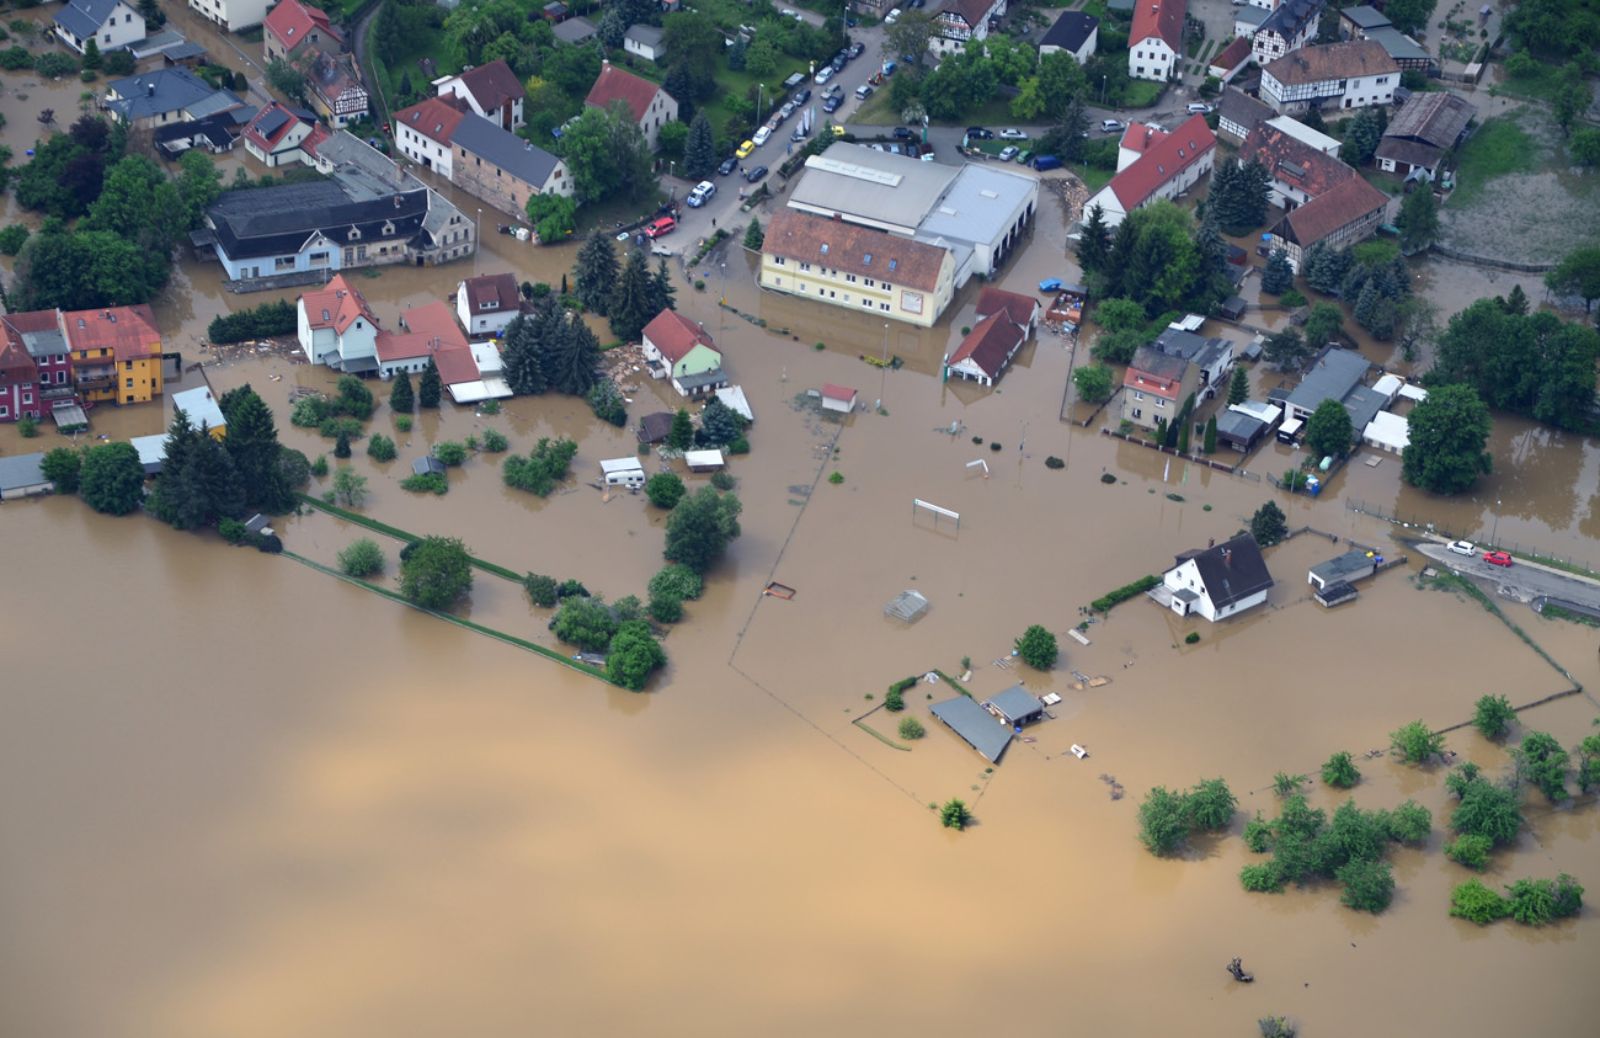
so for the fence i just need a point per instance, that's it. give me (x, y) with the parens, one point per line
(1493, 263)
(1532, 553)
(1106, 430)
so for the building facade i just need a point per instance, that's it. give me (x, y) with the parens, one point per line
(650, 105)
(1290, 26)
(1165, 167)
(492, 91)
(1156, 39)
(1154, 387)
(856, 268)
(111, 24)
(962, 20)
(116, 353)
(1357, 74)
(232, 15)
(291, 24)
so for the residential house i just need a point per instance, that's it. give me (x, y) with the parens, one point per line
(116, 353)
(1355, 74)
(426, 331)
(1247, 19)
(1290, 26)
(962, 20)
(291, 24)
(216, 133)
(232, 15)
(1006, 320)
(22, 475)
(478, 156)
(678, 348)
(38, 333)
(1230, 60)
(1238, 113)
(1356, 22)
(202, 410)
(575, 31)
(334, 89)
(1297, 171)
(1406, 52)
(850, 266)
(1155, 42)
(1075, 32)
(649, 104)
(168, 95)
(1337, 374)
(424, 132)
(1349, 212)
(336, 327)
(1155, 385)
(645, 41)
(280, 135)
(492, 91)
(1165, 168)
(485, 304)
(111, 24)
(1427, 127)
(1218, 582)
(1241, 426)
(841, 399)
(19, 383)
(1015, 707)
(1212, 358)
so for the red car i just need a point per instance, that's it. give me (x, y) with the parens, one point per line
(656, 228)
(1497, 558)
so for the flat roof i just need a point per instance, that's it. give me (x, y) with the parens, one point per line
(1016, 702)
(980, 205)
(18, 471)
(1342, 566)
(201, 408)
(1335, 374)
(610, 465)
(1388, 429)
(871, 186)
(975, 725)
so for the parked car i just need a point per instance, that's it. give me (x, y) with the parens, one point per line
(838, 131)
(892, 17)
(762, 136)
(659, 226)
(701, 194)
(1466, 548)
(978, 133)
(745, 149)
(864, 91)
(903, 133)
(833, 103)
(786, 110)
(824, 74)
(1011, 133)
(729, 164)
(840, 60)
(1008, 153)
(1046, 162)
(1197, 108)
(1497, 558)
(889, 67)
(1112, 126)
(857, 49)
(756, 174)
(802, 97)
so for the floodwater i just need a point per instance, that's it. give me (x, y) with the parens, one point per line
(267, 802)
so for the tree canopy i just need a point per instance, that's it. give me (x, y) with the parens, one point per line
(700, 528)
(435, 572)
(1448, 435)
(1531, 364)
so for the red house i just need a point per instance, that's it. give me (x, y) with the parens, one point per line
(35, 368)
(19, 383)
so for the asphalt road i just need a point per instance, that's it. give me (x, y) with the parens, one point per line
(1523, 581)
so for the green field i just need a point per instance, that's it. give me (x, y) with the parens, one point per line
(1500, 146)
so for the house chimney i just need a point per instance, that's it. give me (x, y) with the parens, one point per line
(1227, 557)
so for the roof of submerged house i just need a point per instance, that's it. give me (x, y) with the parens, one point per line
(1232, 570)
(975, 725)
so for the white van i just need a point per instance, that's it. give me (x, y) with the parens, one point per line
(762, 135)
(1198, 108)
(823, 75)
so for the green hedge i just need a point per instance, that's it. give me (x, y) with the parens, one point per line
(258, 322)
(403, 535)
(1104, 603)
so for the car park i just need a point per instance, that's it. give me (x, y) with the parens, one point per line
(1012, 134)
(659, 226)
(833, 103)
(1497, 558)
(745, 149)
(1466, 548)
(1008, 153)
(701, 194)
(864, 91)
(824, 74)
(762, 136)
(978, 133)
(756, 174)
(1112, 125)
(729, 164)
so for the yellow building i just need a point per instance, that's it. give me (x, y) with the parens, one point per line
(857, 268)
(116, 353)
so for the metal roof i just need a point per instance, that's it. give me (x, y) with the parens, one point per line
(522, 159)
(975, 725)
(870, 186)
(1070, 31)
(1364, 17)
(1017, 703)
(200, 406)
(1341, 566)
(1334, 374)
(21, 470)
(1363, 403)
(979, 205)
(167, 90)
(428, 464)
(83, 18)
(1236, 425)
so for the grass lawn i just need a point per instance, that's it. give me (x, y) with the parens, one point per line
(419, 45)
(1385, 182)
(1500, 146)
(879, 112)
(731, 84)
(1142, 93)
(1093, 177)
(1541, 86)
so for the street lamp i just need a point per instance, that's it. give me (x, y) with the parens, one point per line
(477, 232)
(1494, 535)
(883, 378)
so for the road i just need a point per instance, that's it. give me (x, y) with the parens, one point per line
(1523, 581)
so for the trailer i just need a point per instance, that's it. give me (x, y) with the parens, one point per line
(622, 472)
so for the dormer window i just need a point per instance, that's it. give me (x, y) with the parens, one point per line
(354, 235)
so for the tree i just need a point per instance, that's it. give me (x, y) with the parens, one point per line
(349, 489)
(1536, 365)
(1340, 771)
(630, 307)
(91, 55)
(1324, 268)
(954, 815)
(1471, 851)
(1094, 245)
(381, 448)
(606, 154)
(436, 572)
(1328, 430)
(676, 580)
(341, 446)
(1578, 274)
(85, 270)
(1324, 325)
(1238, 387)
(662, 294)
(595, 277)
(1541, 761)
(252, 444)
(1285, 348)
(754, 237)
(681, 436)
(1269, 525)
(363, 558)
(1492, 716)
(1514, 302)
(111, 478)
(1278, 277)
(1487, 810)
(553, 217)
(1476, 903)
(720, 425)
(1239, 198)
(1094, 382)
(700, 150)
(62, 466)
(1418, 220)
(1163, 821)
(909, 36)
(286, 79)
(431, 387)
(1361, 138)
(633, 655)
(664, 489)
(1210, 805)
(585, 622)
(608, 403)
(544, 467)
(1415, 743)
(1588, 752)
(1410, 823)
(401, 397)
(571, 355)
(1037, 647)
(1368, 885)
(522, 344)
(542, 590)
(1448, 433)
(701, 527)
(1209, 444)
(1572, 97)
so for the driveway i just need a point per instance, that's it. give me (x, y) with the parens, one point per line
(1522, 581)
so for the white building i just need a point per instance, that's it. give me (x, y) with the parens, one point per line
(491, 91)
(1156, 40)
(962, 20)
(1290, 26)
(1074, 32)
(486, 304)
(645, 41)
(1356, 74)
(111, 24)
(337, 328)
(1219, 582)
(233, 15)
(1163, 166)
(649, 104)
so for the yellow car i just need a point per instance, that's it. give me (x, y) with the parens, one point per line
(838, 131)
(745, 149)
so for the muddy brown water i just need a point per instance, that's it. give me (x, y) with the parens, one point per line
(267, 802)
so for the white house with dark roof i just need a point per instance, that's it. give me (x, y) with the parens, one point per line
(111, 24)
(1356, 74)
(1218, 582)
(1290, 26)
(645, 41)
(485, 304)
(962, 20)
(491, 91)
(1074, 32)
(233, 15)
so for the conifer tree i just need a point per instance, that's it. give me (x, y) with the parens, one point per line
(429, 391)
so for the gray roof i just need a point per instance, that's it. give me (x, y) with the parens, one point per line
(1196, 349)
(1239, 107)
(1152, 361)
(19, 471)
(47, 343)
(1070, 31)
(1238, 426)
(979, 205)
(1363, 403)
(1341, 566)
(426, 464)
(975, 725)
(1291, 16)
(83, 18)
(714, 377)
(1017, 704)
(522, 159)
(1364, 17)
(167, 90)
(1432, 117)
(1251, 15)
(574, 30)
(870, 185)
(646, 34)
(1232, 570)
(1397, 43)
(1335, 373)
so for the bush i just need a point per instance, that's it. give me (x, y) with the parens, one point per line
(676, 580)
(541, 589)
(606, 401)
(494, 442)
(664, 489)
(1263, 878)
(451, 452)
(1193, 638)
(585, 622)
(542, 469)
(403, 423)
(259, 322)
(426, 483)
(13, 238)
(666, 608)
(1340, 771)
(1276, 1027)
(319, 468)
(723, 480)
(1368, 885)
(1470, 850)
(362, 559)
(1163, 821)
(1037, 647)
(27, 427)
(232, 531)
(894, 701)
(1285, 784)
(380, 448)
(1476, 903)
(911, 729)
(633, 655)
(570, 588)
(1493, 716)
(954, 815)
(336, 427)
(1258, 834)
(1415, 743)
(1410, 823)
(55, 65)
(436, 572)
(837, 478)
(1105, 602)
(1053, 462)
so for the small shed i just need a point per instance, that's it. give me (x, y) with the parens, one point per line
(907, 606)
(70, 418)
(655, 428)
(838, 398)
(22, 476)
(427, 465)
(734, 399)
(1336, 593)
(1232, 308)
(152, 452)
(1016, 706)
(202, 409)
(975, 726)
(622, 472)
(1351, 566)
(703, 461)
(1387, 432)
(1239, 430)
(258, 523)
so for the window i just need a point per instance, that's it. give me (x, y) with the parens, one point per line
(130, 383)
(777, 261)
(866, 302)
(850, 278)
(869, 283)
(5, 412)
(1160, 402)
(283, 263)
(805, 268)
(61, 378)
(27, 397)
(1138, 413)
(127, 365)
(1138, 396)
(884, 307)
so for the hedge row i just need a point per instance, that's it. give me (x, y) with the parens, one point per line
(258, 322)
(1104, 603)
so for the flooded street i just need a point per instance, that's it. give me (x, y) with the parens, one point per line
(243, 798)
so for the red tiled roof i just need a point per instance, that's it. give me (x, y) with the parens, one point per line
(291, 21)
(499, 290)
(1233, 55)
(393, 346)
(1332, 61)
(990, 343)
(675, 335)
(436, 321)
(1152, 371)
(1292, 161)
(1019, 308)
(855, 250)
(492, 85)
(336, 306)
(1343, 203)
(16, 364)
(129, 331)
(1141, 137)
(456, 365)
(833, 392)
(613, 84)
(252, 130)
(1160, 18)
(434, 118)
(973, 12)
(313, 139)
(1163, 161)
